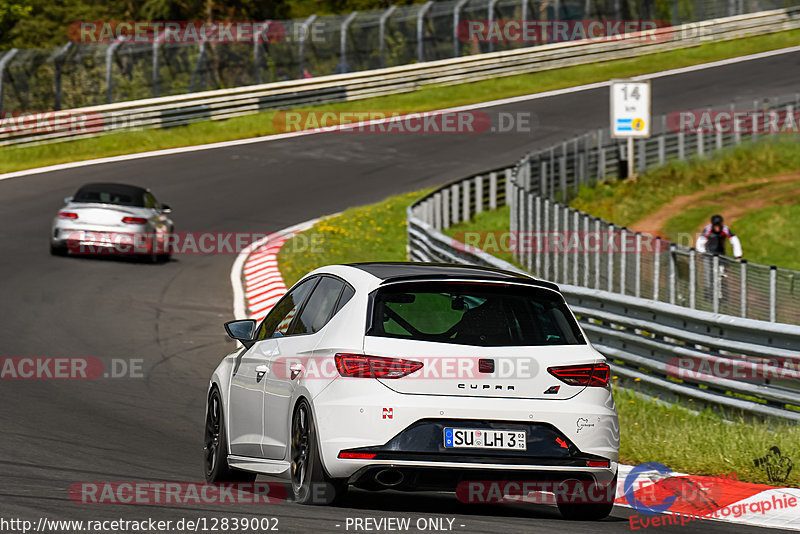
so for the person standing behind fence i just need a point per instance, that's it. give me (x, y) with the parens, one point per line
(712, 239)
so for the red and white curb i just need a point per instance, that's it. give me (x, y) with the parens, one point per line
(257, 282)
(710, 498)
(258, 285)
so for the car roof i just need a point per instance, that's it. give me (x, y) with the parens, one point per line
(412, 271)
(108, 187)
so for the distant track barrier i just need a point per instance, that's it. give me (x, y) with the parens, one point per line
(28, 128)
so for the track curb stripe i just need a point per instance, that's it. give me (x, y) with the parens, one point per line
(255, 277)
(721, 500)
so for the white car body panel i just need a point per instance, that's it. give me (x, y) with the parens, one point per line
(349, 412)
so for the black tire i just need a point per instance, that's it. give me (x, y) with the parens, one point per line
(310, 483)
(166, 255)
(58, 250)
(154, 257)
(589, 511)
(215, 450)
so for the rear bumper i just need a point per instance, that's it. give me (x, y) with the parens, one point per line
(423, 441)
(364, 415)
(475, 484)
(102, 239)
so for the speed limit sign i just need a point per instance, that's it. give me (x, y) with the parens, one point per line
(630, 114)
(630, 109)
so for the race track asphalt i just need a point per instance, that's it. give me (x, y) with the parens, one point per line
(59, 432)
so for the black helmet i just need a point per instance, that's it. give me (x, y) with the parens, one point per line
(716, 219)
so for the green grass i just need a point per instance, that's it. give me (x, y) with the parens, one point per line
(376, 232)
(486, 231)
(769, 234)
(12, 159)
(767, 230)
(699, 443)
(625, 202)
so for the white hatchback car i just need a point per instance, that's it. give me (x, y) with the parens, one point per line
(414, 376)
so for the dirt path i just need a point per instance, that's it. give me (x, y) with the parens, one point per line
(737, 203)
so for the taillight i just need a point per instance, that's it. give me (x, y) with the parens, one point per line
(363, 366)
(134, 220)
(597, 463)
(67, 215)
(592, 374)
(356, 455)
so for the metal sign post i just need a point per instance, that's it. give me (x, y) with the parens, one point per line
(630, 113)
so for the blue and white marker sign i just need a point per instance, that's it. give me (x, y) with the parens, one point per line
(630, 109)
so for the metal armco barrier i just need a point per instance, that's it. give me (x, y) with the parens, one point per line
(184, 109)
(717, 359)
(87, 71)
(636, 263)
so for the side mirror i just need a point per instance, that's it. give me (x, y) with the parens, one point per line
(67, 200)
(165, 208)
(242, 331)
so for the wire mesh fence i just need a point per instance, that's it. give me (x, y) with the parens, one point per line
(80, 74)
(718, 359)
(575, 248)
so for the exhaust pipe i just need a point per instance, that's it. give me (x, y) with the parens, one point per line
(389, 477)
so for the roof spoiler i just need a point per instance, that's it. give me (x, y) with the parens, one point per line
(450, 277)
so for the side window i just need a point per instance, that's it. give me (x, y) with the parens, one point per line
(347, 294)
(320, 306)
(150, 201)
(277, 321)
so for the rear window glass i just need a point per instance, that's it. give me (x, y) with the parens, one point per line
(106, 196)
(465, 313)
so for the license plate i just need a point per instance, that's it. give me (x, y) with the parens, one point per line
(468, 438)
(103, 239)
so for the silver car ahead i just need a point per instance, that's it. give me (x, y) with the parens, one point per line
(108, 218)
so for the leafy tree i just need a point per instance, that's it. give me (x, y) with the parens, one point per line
(11, 11)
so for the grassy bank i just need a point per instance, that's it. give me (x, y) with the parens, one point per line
(700, 443)
(675, 435)
(763, 215)
(376, 232)
(12, 159)
(756, 188)
(625, 202)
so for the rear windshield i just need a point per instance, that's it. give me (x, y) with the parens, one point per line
(468, 313)
(109, 196)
